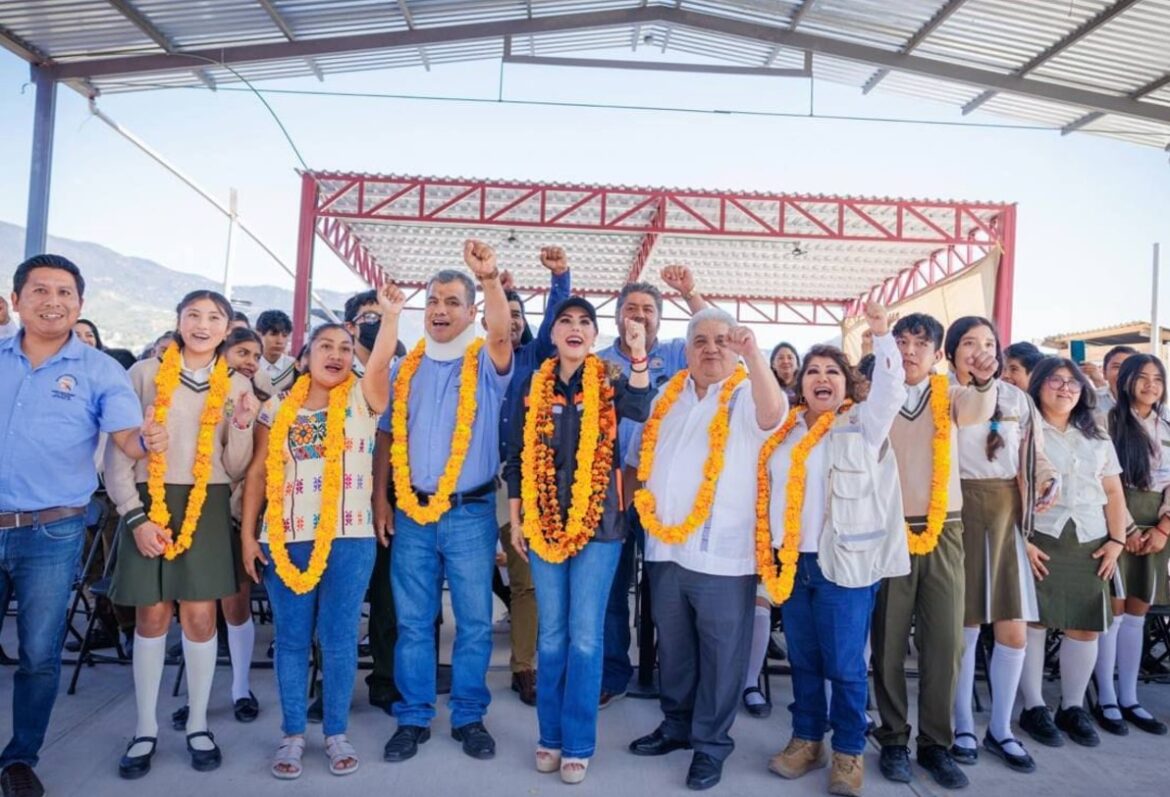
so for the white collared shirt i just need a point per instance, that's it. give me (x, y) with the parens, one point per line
(876, 415)
(914, 394)
(725, 544)
(1015, 409)
(1158, 428)
(1082, 463)
(281, 373)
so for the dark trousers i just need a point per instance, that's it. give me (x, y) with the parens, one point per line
(704, 630)
(383, 628)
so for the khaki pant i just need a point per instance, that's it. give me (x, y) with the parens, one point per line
(932, 594)
(523, 609)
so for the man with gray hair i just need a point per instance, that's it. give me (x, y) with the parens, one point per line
(700, 540)
(640, 302)
(444, 526)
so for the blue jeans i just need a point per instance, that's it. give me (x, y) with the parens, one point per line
(37, 567)
(827, 627)
(570, 604)
(617, 670)
(334, 610)
(462, 546)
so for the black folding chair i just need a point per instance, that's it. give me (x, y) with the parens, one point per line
(100, 590)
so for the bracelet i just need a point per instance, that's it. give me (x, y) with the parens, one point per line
(639, 360)
(1119, 542)
(639, 370)
(1159, 530)
(689, 295)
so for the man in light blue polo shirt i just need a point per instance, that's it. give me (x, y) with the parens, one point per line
(56, 396)
(641, 302)
(461, 544)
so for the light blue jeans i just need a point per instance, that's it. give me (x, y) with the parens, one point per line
(37, 566)
(571, 599)
(334, 610)
(461, 546)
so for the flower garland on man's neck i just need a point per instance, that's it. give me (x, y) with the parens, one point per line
(166, 382)
(779, 579)
(404, 494)
(551, 538)
(926, 541)
(302, 581)
(717, 433)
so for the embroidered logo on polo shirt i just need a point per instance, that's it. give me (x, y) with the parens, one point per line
(65, 385)
(656, 363)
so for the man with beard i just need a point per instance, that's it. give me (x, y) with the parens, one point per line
(640, 302)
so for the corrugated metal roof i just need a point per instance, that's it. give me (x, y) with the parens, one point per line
(1119, 49)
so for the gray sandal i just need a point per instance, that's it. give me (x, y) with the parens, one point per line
(339, 750)
(288, 755)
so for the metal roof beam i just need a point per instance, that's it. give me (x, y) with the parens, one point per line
(1074, 36)
(140, 21)
(406, 15)
(282, 23)
(26, 50)
(655, 66)
(933, 24)
(1136, 94)
(801, 13)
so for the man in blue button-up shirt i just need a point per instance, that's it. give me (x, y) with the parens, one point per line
(56, 396)
(641, 302)
(461, 545)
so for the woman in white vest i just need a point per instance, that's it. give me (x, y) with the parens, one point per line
(834, 523)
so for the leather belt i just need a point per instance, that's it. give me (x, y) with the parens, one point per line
(473, 496)
(15, 520)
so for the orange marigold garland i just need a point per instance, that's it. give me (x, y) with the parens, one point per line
(302, 581)
(404, 494)
(925, 541)
(779, 579)
(554, 540)
(166, 381)
(717, 432)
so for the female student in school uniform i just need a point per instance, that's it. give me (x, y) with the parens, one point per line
(177, 541)
(1004, 477)
(1073, 551)
(1141, 435)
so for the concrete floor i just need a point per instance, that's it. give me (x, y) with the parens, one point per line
(90, 730)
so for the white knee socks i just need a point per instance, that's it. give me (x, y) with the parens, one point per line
(200, 658)
(1130, 637)
(150, 655)
(1032, 678)
(1007, 664)
(761, 631)
(241, 641)
(964, 718)
(1106, 661)
(1077, 659)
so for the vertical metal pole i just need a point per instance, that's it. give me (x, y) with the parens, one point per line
(1155, 322)
(1005, 275)
(304, 278)
(231, 245)
(36, 231)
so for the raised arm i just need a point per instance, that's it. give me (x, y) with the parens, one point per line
(376, 380)
(887, 392)
(975, 403)
(560, 288)
(770, 402)
(682, 280)
(481, 259)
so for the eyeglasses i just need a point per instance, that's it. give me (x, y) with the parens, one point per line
(369, 318)
(1056, 383)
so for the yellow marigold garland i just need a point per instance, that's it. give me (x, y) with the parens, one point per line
(166, 381)
(925, 541)
(779, 579)
(717, 432)
(302, 581)
(404, 495)
(553, 540)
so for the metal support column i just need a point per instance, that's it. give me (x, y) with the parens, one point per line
(1005, 275)
(36, 231)
(306, 235)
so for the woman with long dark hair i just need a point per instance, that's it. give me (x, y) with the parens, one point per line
(1004, 477)
(1073, 551)
(88, 332)
(176, 543)
(1141, 434)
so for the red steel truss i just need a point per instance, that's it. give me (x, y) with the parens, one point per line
(913, 244)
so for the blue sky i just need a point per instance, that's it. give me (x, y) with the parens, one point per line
(1089, 207)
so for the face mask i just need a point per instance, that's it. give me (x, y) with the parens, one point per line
(368, 333)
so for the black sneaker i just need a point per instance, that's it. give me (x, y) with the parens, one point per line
(895, 763)
(1037, 723)
(19, 780)
(1077, 723)
(937, 760)
(477, 742)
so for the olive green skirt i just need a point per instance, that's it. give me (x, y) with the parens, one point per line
(998, 579)
(209, 570)
(1071, 596)
(1144, 577)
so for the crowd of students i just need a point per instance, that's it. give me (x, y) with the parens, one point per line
(868, 501)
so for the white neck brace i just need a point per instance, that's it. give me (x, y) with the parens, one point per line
(453, 349)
